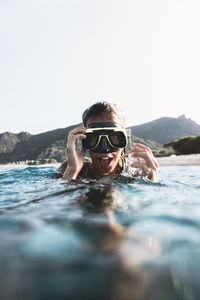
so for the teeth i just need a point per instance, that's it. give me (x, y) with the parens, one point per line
(105, 158)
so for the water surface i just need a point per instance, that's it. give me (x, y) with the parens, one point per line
(99, 240)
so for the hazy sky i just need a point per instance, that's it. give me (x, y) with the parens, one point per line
(57, 57)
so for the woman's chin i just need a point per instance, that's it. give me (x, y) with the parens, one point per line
(105, 170)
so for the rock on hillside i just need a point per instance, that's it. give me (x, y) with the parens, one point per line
(9, 140)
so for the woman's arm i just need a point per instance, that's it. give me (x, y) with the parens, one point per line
(75, 156)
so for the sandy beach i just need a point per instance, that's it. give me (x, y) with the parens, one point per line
(179, 160)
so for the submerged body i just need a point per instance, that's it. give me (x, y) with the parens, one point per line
(98, 241)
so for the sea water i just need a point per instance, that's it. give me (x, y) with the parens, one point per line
(99, 240)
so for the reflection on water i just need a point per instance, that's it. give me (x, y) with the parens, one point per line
(114, 239)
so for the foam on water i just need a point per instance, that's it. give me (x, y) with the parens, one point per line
(113, 239)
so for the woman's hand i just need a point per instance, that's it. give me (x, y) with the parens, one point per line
(144, 160)
(75, 156)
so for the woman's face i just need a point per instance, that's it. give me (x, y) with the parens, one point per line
(105, 163)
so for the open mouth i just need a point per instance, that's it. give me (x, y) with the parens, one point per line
(105, 161)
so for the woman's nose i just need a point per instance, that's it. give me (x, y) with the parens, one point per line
(105, 146)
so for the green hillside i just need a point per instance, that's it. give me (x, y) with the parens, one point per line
(52, 144)
(188, 145)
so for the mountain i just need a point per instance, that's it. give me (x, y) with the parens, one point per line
(52, 144)
(166, 129)
(24, 146)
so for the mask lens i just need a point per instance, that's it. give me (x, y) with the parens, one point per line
(90, 141)
(117, 139)
(96, 139)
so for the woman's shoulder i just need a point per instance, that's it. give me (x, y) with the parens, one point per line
(84, 173)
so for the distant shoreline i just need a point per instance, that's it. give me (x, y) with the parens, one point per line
(23, 165)
(179, 160)
(173, 160)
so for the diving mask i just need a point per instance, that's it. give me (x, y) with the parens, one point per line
(104, 137)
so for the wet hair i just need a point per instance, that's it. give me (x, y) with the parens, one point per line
(100, 108)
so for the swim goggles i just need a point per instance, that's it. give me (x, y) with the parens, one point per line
(100, 137)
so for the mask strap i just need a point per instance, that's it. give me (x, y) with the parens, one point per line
(122, 162)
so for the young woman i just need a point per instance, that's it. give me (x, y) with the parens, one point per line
(104, 136)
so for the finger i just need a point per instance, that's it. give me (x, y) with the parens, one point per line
(77, 136)
(136, 163)
(72, 140)
(136, 151)
(149, 160)
(156, 163)
(138, 147)
(76, 131)
(83, 150)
